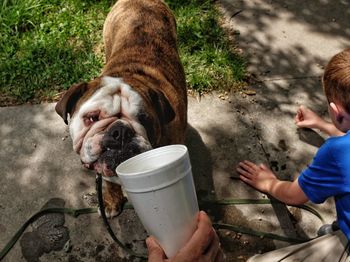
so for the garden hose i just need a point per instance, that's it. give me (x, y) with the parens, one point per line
(77, 212)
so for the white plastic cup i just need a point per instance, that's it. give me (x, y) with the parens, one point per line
(160, 186)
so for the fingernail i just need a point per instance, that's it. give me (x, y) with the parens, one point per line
(201, 215)
(149, 241)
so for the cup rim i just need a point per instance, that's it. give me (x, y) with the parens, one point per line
(154, 153)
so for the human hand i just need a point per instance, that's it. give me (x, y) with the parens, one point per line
(258, 176)
(305, 117)
(203, 246)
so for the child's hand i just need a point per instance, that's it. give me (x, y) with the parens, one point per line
(264, 180)
(259, 177)
(307, 118)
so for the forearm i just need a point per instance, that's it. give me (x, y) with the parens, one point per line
(264, 180)
(328, 128)
(287, 192)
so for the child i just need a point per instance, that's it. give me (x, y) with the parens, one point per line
(327, 176)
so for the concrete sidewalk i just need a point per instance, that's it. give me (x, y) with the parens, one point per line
(287, 46)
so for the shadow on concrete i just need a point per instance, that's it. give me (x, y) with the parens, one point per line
(322, 17)
(38, 164)
(240, 128)
(260, 21)
(201, 161)
(37, 161)
(291, 42)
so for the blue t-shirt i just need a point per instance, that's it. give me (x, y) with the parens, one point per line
(329, 176)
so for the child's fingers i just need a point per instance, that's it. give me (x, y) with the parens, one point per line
(244, 172)
(244, 169)
(245, 179)
(249, 166)
(247, 162)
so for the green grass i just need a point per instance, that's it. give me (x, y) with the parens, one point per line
(209, 59)
(48, 45)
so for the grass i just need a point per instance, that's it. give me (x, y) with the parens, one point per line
(208, 57)
(48, 45)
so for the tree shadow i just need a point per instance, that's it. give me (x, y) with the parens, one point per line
(242, 128)
(38, 163)
(290, 42)
(201, 161)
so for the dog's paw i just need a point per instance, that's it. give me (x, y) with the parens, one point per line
(112, 209)
(113, 200)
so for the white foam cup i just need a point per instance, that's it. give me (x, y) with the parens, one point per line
(160, 186)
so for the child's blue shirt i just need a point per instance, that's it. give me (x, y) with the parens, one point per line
(329, 175)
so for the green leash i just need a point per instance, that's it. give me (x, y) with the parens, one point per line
(238, 229)
(230, 202)
(105, 220)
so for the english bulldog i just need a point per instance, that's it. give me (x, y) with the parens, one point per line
(139, 101)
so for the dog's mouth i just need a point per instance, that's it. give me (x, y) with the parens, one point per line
(110, 158)
(118, 144)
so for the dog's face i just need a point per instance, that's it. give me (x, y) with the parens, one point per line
(110, 122)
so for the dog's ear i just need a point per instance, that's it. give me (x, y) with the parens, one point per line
(161, 104)
(69, 99)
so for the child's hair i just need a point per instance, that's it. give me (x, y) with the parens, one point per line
(336, 79)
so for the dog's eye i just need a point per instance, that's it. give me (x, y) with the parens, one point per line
(93, 119)
(90, 119)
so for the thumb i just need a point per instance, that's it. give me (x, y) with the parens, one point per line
(155, 252)
(263, 166)
(300, 114)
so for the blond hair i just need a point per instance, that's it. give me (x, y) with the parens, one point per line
(336, 79)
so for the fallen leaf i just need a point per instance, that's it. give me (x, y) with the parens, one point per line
(249, 92)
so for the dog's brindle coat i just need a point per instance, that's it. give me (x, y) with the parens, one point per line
(141, 51)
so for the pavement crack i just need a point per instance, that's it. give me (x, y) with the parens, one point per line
(281, 210)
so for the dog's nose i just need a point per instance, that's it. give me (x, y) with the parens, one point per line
(121, 133)
(118, 135)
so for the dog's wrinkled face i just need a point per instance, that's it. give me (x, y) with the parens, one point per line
(105, 129)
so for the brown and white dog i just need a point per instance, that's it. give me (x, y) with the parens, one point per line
(138, 102)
